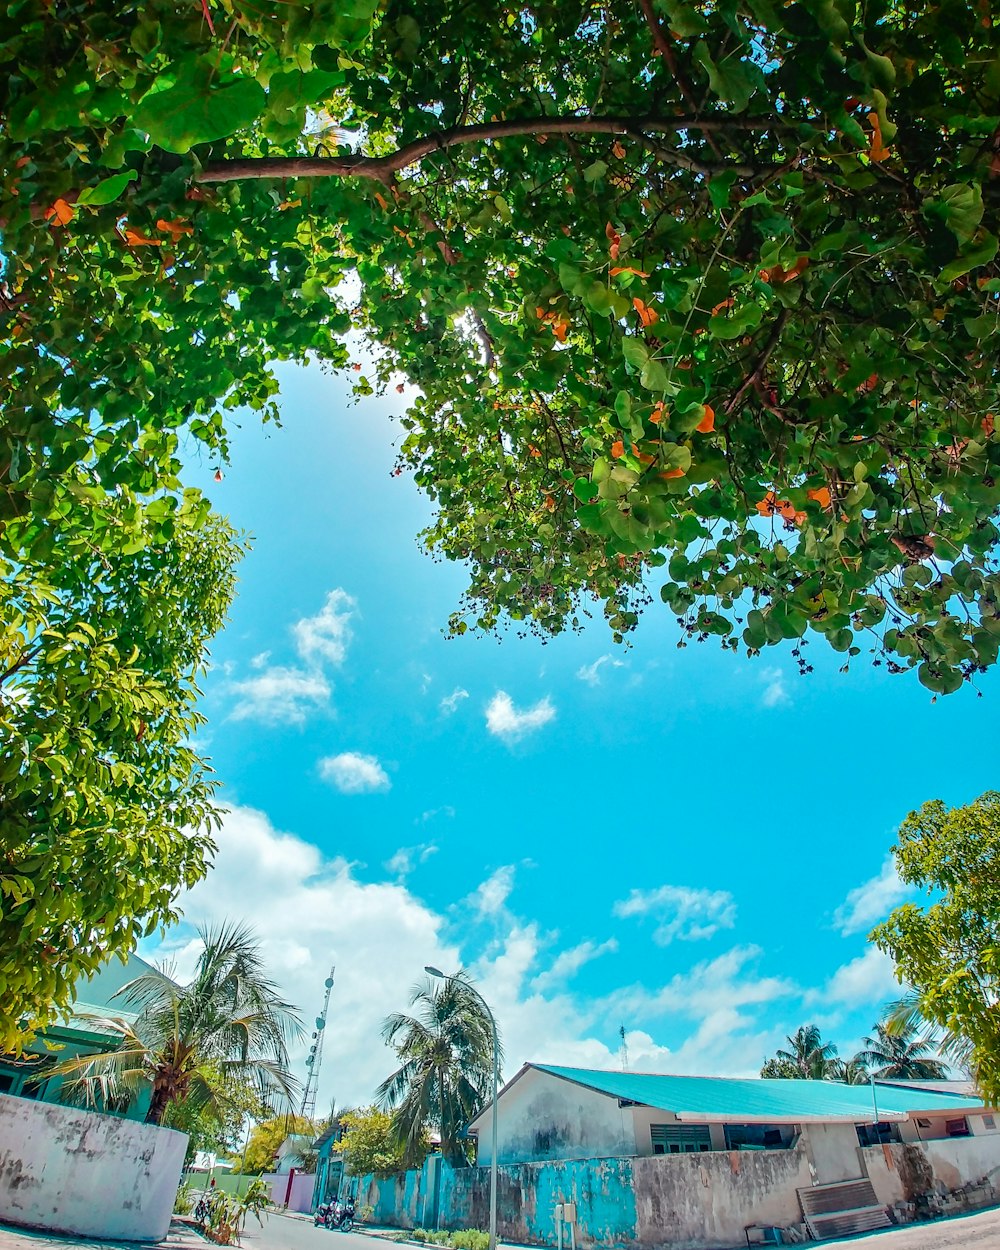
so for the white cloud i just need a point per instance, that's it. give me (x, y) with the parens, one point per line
(490, 896)
(450, 702)
(408, 857)
(310, 911)
(323, 638)
(352, 773)
(591, 673)
(510, 723)
(279, 696)
(775, 693)
(446, 811)
(287, 694)
(868, 979)
(872, 901)
(687, 914)
(568, 962)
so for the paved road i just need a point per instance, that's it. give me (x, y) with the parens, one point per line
(981, 1231)
(281, 1232)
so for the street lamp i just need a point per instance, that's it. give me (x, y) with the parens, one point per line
(443, 976)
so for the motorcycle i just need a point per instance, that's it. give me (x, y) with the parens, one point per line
(342, 1216)
(322, 1213)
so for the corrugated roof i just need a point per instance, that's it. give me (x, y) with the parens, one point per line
(729, 1098)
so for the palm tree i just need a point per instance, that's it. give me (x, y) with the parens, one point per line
(849, 1071)
(445, 1052)
(808, 1056)
(189, 1044)
(899, 1054)
(910, 1016)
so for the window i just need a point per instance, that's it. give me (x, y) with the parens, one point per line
(759, 1136)
(989, 1122)
(957, 1128)
(676, 1139)
(6, 1082)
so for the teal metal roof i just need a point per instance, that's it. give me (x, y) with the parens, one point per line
(716, 1097)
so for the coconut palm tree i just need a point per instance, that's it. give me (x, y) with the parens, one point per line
(808, 1056)
(445, 1052)
(900, 1054)
(226, 1027)
(849, 1071)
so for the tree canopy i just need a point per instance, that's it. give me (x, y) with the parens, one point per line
(106, 808)
(949, 949)
(371, 1146)
(697, 298)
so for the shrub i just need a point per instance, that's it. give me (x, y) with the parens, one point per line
(184, 1202)
(470, 1239)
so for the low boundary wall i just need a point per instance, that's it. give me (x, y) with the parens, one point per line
(86, 1174)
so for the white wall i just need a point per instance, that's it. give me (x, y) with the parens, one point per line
(544, 1117)
(902, 1171)
(833, 1152)
(86, 1174)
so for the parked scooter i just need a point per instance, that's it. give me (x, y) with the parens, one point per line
(322, 1213)
(342, 1216)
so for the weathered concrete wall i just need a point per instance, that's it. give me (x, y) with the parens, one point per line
(692, 1201)
(686, 1202)
(833, 1150)
(541, 1118)
(86, 1174)
(905, 1171)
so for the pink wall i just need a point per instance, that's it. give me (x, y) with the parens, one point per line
(300, 1197)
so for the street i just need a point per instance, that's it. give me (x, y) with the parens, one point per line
(281, 1232)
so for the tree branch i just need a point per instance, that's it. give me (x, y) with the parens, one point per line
(756, 375)
(662, 45)
(381, 168)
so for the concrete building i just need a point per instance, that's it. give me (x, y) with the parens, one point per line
(606, 1159)
(548, 1112)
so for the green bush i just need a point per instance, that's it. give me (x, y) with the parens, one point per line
(420, 1234)
(184, 1202)
(470, 1239)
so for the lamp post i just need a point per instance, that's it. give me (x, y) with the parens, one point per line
(443, 976)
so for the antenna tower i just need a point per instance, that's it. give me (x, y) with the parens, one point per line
(623, 1048)
(315, 1057)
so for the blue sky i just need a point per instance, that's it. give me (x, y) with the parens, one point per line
(686, 842)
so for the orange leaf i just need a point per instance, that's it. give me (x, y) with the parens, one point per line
(560, 328)
(550, 503)
(822, 496)
(656, 416)
(648, 316)
(539, 313)
(533, 451)
(868, 384)
(175, 228)
(667, 474)
(617, 450)
(60, 214)
(726, 303)
(778, 274)
(611, 233)
(787, 509)
(614, 250)
(618, 150)
(878, 151)
(707, 423)
(639, 273)
(218, 475)
(383, 203)
(642, 457)
(989, 424)
(285, 204)
(135, 239)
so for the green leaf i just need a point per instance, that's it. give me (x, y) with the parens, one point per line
(982, 254)
(107, 190)
(195, 108)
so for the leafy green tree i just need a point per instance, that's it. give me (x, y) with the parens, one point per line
(948, 950)
(371, 1146)
(106, 808)
(267, 1136)
(445, 1053)
(218, 1126)
(700, 295)
(808, 1057)
(196, 1044)
(896, 1054)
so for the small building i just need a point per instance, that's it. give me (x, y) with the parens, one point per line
(329, 1164)
(549, 1112)
(23, 1076)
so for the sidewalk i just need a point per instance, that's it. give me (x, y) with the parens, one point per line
(182, 1236)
